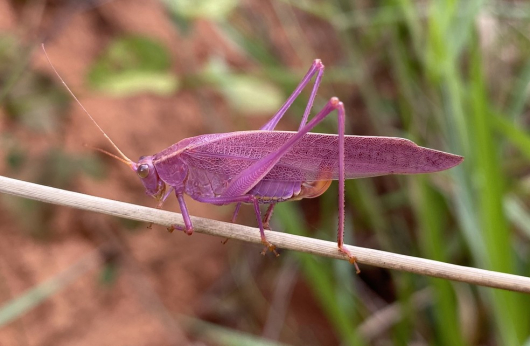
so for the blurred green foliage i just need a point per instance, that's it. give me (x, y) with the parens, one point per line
(245, 94)
(132, 65)
(38, 294)
(184, 12)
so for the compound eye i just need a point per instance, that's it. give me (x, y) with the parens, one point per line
(143, 170)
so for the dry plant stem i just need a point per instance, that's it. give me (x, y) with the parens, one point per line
(282, 240)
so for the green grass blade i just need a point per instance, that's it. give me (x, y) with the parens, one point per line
(317, 273)
(217, 335)
(16, 307)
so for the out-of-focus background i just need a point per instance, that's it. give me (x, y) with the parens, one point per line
(450, 75)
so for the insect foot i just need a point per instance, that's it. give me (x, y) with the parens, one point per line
(351, 258)
(171, 228)
(270, 247)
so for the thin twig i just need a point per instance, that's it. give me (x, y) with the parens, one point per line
(282, 240)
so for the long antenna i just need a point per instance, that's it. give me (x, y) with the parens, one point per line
(128, 161)
(107, 153)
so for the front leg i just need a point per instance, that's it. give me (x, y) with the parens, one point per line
(161, 202)
(185, 215)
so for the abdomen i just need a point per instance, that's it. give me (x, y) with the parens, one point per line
(269, 191)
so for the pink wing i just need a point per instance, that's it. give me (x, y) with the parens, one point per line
(314, 157)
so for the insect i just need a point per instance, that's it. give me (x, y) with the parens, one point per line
(268, 167)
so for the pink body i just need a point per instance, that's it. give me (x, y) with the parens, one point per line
(267, 166)
(203, 166)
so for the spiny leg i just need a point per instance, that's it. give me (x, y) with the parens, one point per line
(318, 68)
(311, 100)
(242, 183)
(340, 232)
(249, 177)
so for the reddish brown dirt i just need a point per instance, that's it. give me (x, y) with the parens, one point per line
(185, 273)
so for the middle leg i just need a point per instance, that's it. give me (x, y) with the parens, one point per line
(268, 215)
(234, 216)
(245, 199)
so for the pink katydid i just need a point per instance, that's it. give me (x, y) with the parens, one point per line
(268, 167)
